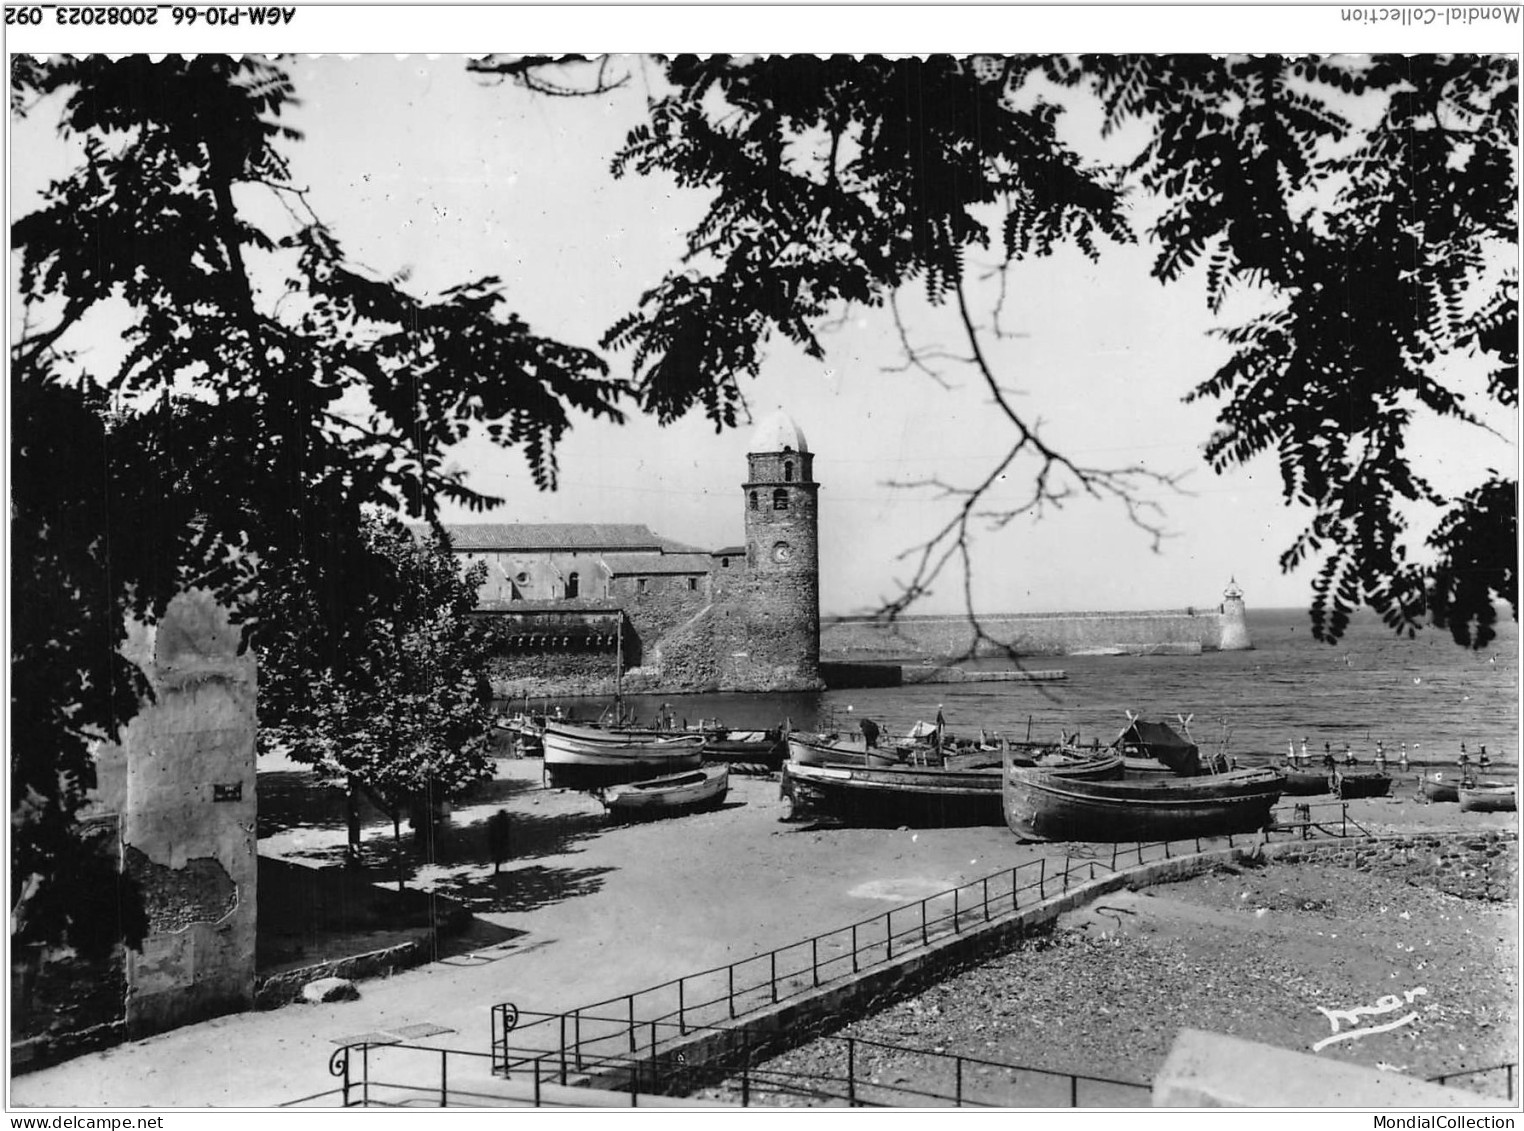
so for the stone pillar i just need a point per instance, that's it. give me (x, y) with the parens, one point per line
(188, 818)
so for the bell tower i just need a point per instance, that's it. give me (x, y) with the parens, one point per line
(778, 643)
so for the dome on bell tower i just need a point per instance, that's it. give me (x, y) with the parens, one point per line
(778, 433)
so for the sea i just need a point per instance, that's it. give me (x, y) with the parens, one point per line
(1426, 693)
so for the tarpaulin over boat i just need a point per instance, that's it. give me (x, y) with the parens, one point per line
(1158, 741)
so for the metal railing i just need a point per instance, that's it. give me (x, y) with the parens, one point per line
(632, 1022)
(846, 1070)
(731, 991)
(1506, 1067)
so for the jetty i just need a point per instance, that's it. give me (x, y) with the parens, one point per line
(839, 676)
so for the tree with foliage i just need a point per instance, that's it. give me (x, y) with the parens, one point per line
(1371, 200)
(269, 390)
(405, 720)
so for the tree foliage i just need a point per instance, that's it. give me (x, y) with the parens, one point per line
(1373, 200)
(405, 718)
(267, 390)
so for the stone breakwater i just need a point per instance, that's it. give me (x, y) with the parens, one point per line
(1176, 632)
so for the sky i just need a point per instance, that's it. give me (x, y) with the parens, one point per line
(419, 166)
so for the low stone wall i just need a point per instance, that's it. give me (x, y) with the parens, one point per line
(1472, 865)
(274, 990)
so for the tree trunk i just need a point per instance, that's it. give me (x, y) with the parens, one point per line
(397, 847)
(352, 800)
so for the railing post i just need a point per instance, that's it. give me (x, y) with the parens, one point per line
(889, 933)
(682, 1021)
(1074, 1091)
(537, 1081)
(815, 961)
(923, 922)
(1042, 878)
(1113, 856)
(444, 1078)
(854, 948)
(986, 899)
(563, 1048)
(1166, 850)
(1014, 902)
(365, 1068)
(630, 998)
(772, 980)
(577, 1037)
(958, 1088)
(1066, 871)
(955, 911)
(745, 1069)
(1344, 819)
(731, 972)
(851, 1072)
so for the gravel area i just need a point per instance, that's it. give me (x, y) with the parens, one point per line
(1249, 951)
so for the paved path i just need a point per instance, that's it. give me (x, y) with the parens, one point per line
(606, 911)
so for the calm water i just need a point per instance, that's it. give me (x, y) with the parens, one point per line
(1427, 693)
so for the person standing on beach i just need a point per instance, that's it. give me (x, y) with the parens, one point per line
(1349, 755)
(1304, 763)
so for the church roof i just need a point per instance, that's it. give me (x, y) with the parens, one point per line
(565, 536)
(621, 565)
(778, 433)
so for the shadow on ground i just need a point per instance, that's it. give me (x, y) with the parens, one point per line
(311, 915)
(302, 799)
(522, 889)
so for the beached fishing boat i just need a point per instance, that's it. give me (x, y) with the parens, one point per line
(825, 750)
(1306, 783)
(1349, 784)
(880, 796)
(765, 748)
(580, 757)
(1439, 786)
(669, 796)
(1047, 805)
(1488, 797)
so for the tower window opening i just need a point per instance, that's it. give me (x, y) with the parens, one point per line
(780, 500)
(753, 500)
(693, 583)
(788, 471)
(640, 585)
(573, 584)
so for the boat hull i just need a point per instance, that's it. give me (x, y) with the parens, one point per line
(1043, 805)
(810, 752)
(1306, 783)
(585, 758)
(892, 796)
(1437, 787)
(669, 796)
(1488, 799)
(1361, 783)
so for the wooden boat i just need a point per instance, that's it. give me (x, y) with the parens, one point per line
(1439, 786)
(1348, 784)
(880, 796)
(1046, 805)
(1156, 748)
(668, 796)
(766, 748)
(1306, 783)
(581, 757)
(1488, 797)
(823, 750)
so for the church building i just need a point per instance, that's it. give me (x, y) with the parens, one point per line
(575, 601)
